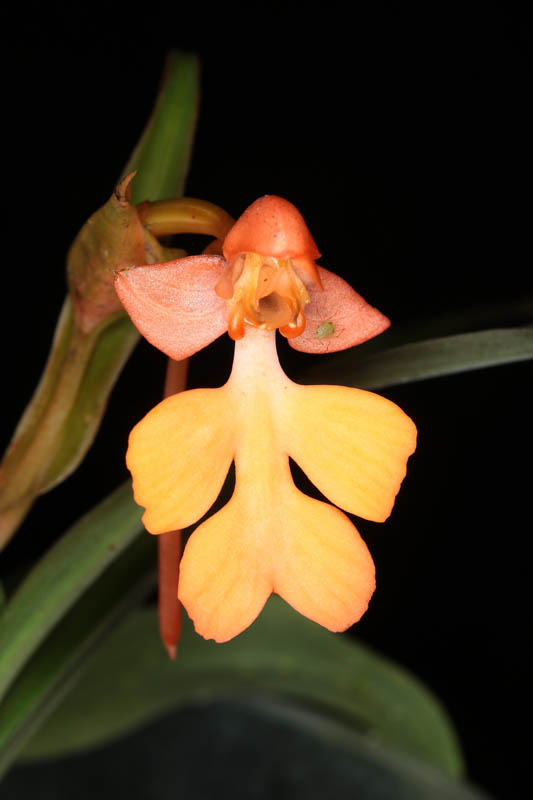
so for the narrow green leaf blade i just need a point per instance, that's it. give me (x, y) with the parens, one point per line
(416, 361)
(162, 155)
(516, 313)
(62, 576)
(133, 681)
(50, 674)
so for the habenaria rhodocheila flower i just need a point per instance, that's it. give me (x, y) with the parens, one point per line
(352, 444)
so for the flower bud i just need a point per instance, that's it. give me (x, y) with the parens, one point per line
(111, 239)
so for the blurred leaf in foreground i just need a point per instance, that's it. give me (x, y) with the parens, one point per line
(68, 650)
(256, 746)
(281, 653)
(61, 577)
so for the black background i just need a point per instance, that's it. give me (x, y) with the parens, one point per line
(403, 135)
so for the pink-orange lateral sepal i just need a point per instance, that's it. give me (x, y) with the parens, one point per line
(174, 305)
(337, 318)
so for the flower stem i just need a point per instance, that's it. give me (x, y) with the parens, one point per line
(169, 544)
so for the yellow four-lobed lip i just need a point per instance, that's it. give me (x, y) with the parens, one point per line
(270, 537)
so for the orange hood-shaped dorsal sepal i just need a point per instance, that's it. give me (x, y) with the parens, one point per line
(273, 227)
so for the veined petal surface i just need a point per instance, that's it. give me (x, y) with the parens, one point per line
(174, 305)
(225, 572)
(352, 444)
(179, 455)
(322, 567)
(337, 318)
(304, 550)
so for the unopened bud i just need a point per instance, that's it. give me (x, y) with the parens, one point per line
(111, 239)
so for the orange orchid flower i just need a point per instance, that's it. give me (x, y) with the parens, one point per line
(352, 444)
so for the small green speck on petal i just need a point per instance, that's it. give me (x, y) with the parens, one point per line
(324, 330)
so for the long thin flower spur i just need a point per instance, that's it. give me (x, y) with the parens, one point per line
(352, 444)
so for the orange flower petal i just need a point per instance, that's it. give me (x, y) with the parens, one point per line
(305, 550)
(322, 566)
(337, 318)
(273, 227)
(225, 573)
(179, 456)
(353, 445)
(174, 305)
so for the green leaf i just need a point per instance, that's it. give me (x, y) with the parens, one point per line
(516, 312)
(251, 744)
(132, 681)
(374, 770)
(62, 576)
(162, 155)
(432, 358)
(370, 769)
(54, 669)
